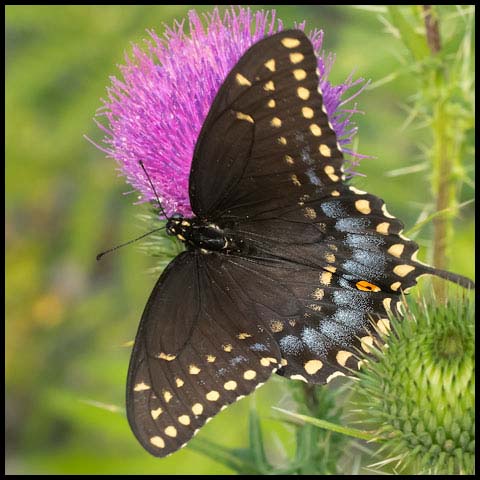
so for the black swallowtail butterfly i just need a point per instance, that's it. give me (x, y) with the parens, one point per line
(285, 265)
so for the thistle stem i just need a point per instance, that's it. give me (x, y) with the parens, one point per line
(443, 185)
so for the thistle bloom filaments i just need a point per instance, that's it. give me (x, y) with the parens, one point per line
(156, 112)
(420, 395)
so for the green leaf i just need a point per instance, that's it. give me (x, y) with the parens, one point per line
(352, 432)
(256, 442)
(414, 41)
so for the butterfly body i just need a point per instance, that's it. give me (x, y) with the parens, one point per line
(205, 236)
(287, 268)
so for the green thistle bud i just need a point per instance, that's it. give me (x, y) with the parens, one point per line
(419, 394)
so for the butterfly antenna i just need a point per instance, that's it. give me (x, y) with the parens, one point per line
(100, 255)
(153, 188)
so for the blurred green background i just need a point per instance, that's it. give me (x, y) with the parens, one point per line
(67, 316)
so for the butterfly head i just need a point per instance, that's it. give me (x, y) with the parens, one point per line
(177, 226)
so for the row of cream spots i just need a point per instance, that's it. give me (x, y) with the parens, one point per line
(194, 370)
(198, 409)
(213, 395)
(307, 112)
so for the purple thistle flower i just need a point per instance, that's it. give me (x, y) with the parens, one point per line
(156, 112)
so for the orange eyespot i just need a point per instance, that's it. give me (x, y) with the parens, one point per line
(367, 286)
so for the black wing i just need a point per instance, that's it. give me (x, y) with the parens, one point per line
(267, 168)
(267, 139)
(201, 345)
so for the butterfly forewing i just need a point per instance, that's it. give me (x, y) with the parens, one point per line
(282, 146)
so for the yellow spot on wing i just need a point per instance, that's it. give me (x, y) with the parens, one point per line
(157, 441)
(363, 206)
(271, 103)
(366, 343)
(184, 419)
(303, 93)
(307, 112)
(330, 258)
(330, 171)
(282, 140)
(243, 336)
(335, 193)
(387, 304)
(299, 377)
(325, 150)
(300, 74)
(166, 356)
(289, 159)
(396, 250)
(211, 358)
(395, 286)
(276, 122)
(330, 268)
(325, 278)
(384, 326)
(343, 356)
(156, 413)
(334, 375)
(276, 326)
(171, 431)
(139, 387)
(356, 190)
(296, 57)
(249, 374)
(167, 396)
(179, 382)
(295, 180)
(290, 42)
(310, 213)
(402, 270)
(230, 385)
(244, 116)
(318, 294)
(241, 80)
(193, 370)
(227, 348)
(212, 396)
(385, 212)
(266, 361)
(383, 228)
(269, 86)
(197, 409)
(270, 64)
(315, 129)
(313, 366)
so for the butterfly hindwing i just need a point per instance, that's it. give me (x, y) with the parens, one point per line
(189, 362)
(332, 323)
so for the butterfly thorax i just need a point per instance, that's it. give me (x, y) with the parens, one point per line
(198, 234)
